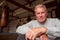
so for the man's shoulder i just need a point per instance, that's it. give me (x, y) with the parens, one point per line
(52, 19)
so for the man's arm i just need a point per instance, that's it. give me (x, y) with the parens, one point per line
(57, 24)
(35, 32)
(24, 28)
(54, 30)
(44, 37)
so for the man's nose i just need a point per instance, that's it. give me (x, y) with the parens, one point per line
(40, 14)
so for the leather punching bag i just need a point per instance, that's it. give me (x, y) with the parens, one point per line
(4, 17)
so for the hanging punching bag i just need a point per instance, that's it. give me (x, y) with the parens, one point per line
(4, 16)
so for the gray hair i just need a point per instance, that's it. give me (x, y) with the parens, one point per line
(40, 6)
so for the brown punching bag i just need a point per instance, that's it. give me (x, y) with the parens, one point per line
(3, 17)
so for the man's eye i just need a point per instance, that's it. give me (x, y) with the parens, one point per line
(42, 12)
(38, 13)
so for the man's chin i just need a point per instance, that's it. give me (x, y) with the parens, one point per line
(41, 21)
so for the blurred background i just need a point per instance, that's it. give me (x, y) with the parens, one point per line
(14, 13)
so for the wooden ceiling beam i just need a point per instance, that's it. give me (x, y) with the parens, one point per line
(48, 5)
(16, 8)
(19, 5)
(14, 17)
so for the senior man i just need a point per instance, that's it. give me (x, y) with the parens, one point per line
(41, 29)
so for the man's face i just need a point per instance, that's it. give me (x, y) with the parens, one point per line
(41, 14)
